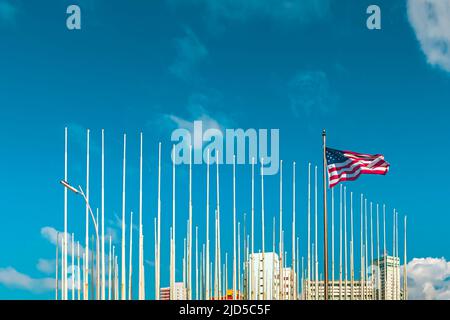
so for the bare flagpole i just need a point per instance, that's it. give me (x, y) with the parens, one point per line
(207, 275)
(189, 269)
(405, 270)
(378, 254)
(345, 246)
(173, 242)
(332, 242)
(262, 230)
(316, 243)
(293, 232)
(65, 292)
(234, 228)
(86, 264)
(56, 271)
(73, 267)
(122, 286)
(309, 234)
(103, 217)
(281, 288)
(158, 231)
(252, 282)
(340, 242)
(361, 249)
(352, 258)
(325, 217)
(141, 236)
(371, 246)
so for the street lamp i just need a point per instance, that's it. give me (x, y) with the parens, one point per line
(81, 192)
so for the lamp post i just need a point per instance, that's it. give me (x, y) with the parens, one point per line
(80, 191)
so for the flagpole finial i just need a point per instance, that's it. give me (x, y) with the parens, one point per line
(324, 132)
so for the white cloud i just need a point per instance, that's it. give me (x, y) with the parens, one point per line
(190, 53)
(46, 265)
(429, 279)
(199, 108)
(430, 20)
(12, 278)
(51, 234)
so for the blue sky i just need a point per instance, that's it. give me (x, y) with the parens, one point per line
(299, 66)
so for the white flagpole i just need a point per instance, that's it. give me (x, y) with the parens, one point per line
(293, 232)
(332, 243)
(189, 275)
(113, 270)
(158, 231)
(234, 228)
(173, 243)
(340, 242)
(141, 236)
(397, 269)
(65, 295)
(97, 258)
(73, 267)
(155, 233)
(262, 230)
(216, 259)
(309, 234)
(274, 291)
(103, 216)
(393, 253)
(345, 246)
(352, 252)
(130, 266)
(315, 234)
(281, 285)
(86, 264)
(207, 274)
(122, 286)
(252, 281)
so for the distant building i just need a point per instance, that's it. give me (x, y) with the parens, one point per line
(389, 270)
(265, 276)
(344, 290)
(180, 292)
(288, 284)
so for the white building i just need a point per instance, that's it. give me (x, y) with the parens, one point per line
(180, 292)
(265, 276)
(389, 271)
(345, 290)
(289, 277)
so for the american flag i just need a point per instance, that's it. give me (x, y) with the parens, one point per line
(348, 165)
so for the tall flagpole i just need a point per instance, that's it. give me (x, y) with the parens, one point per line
(309, 234)
(366, 246)
(158, 230)
(103, 216)
(316, 243)
(122, 285)
(173, 242)
(189, 265)
(130, 266)
(397, 271)
(234, 228)
(325, 217)
(293, 232)
(262, 231)
(207, 275)
(239, 260)
(141, 236)
(78, 271)
(281, 287)
(218, 221)
(252, 282)
(64, 275)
